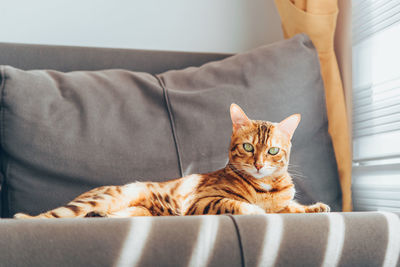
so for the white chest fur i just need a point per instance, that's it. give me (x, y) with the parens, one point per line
(266, 187)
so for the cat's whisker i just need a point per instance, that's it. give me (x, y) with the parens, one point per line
(297, 175)
(295, 165)
(298, 195)
(291, 170)
(299, 178)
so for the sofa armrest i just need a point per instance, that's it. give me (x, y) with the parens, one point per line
(330, 239)
(335, 239)
(141, 241)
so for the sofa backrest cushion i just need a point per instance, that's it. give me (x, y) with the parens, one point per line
(65, 133)
(73, 58)
(269, 83)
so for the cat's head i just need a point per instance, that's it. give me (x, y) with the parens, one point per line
(260, 148)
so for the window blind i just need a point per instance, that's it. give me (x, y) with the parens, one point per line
(376, 104)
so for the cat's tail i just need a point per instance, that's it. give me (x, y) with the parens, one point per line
(22, 216)
(101, 200)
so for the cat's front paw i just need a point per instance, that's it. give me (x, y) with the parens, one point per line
(318, 207)
(250, 209)
(96, 214)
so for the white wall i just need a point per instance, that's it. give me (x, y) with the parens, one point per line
(186, 25)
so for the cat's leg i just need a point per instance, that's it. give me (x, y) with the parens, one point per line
(102, 200)
(295, 207)
(124, 213)
(221, 205)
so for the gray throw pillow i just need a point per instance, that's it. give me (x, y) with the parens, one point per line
(65, 133)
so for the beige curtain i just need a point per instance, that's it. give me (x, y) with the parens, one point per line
(317, 18)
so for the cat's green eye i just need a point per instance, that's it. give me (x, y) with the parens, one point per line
(273, 150)
(248, 147)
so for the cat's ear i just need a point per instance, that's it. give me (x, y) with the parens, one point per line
(289, 124)
(239, 119)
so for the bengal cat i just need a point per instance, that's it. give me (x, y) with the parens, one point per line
(255, 181)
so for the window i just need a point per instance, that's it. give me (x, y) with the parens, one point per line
(376, 104)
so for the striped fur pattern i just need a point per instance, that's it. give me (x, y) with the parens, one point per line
(255, 181)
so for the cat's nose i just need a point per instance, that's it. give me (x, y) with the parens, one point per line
(258, 166)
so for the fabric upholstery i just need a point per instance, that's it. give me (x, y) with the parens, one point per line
(318, 20)
(141, 241)
(336, 239)
(66, 132)
(333, 239)
(70, 58)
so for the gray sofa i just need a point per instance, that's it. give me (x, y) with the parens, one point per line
(58, 140)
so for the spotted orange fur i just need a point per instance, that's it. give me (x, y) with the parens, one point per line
(255, 181)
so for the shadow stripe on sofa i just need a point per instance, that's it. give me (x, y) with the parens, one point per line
(332, 239)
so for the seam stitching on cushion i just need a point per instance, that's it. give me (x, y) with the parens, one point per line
(2, 77)
(239, 239)
(171, 121)
(6, 168)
